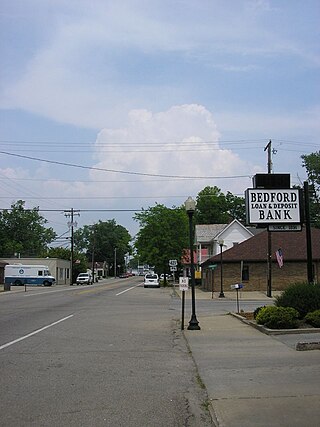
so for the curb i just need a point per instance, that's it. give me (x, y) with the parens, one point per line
(300, 346)
(303, 346)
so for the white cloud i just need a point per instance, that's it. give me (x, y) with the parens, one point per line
(182, 141)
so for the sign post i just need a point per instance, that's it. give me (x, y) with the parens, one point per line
(237, 286)
(183, 286)
(273, 204)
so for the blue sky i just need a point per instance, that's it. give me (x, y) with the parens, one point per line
(152, 100)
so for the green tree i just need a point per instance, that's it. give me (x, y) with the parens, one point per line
(101, 240)
(214, 207)
(163, 235)
(312, 164)
(23, 231)
(236, 207)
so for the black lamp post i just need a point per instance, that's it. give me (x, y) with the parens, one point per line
(221, 295)
(190, 206)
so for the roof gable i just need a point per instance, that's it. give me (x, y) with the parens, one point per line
(235, 227)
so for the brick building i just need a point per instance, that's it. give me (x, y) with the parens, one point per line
(247, 262)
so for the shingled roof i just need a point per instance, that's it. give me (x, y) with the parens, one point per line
(293, 245)
(207, 232)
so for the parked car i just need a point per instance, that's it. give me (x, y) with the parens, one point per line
(151, 280)
(84, 279)
(124, 275)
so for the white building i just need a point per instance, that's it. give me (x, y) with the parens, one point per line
(210, 239)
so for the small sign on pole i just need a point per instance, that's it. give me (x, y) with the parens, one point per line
(183, 283)
(173, 262)
(183, 286)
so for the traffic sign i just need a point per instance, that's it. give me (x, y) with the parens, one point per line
(173, 268)
(237, 286)
(183, 283)
(173, 263)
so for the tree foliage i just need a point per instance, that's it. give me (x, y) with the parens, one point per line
(23, 231)
(101, 240)
(163, 235)
(214, 207)
(312, 164)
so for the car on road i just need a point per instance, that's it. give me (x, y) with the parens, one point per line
(151, 280)
(84, 279)
(124, 275)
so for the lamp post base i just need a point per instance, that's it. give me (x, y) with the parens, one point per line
(194, 324)
(221, 295)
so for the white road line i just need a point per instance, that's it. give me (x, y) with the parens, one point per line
(34, 332)
(129, 289)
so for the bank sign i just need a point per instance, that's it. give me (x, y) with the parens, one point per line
(273, 206)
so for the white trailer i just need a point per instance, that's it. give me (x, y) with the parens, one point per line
(21, 274)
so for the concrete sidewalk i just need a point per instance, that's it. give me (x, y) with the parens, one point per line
(230, 295)
(253, 379)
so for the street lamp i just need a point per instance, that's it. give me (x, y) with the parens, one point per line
(190, 206)
(221, 295)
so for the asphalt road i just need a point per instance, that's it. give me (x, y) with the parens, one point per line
(111, 354)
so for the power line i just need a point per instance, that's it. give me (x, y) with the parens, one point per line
(118, 171)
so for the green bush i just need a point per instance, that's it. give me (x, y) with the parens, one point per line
(256, 311)
(304, 297)
(313, 318)
(278, 317)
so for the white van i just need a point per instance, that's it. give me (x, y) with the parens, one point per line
(20, 274)
(151, 280)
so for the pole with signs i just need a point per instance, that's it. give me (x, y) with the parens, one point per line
(183, 287)
(273, 204)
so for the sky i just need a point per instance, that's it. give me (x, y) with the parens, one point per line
(110, 107)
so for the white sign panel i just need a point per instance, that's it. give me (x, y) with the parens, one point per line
(288, 227)
(183, 283)
(173, 262)
(272, 206)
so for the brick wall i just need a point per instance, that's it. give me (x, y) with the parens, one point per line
(291, 272)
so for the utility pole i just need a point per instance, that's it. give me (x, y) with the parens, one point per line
(92, 255)
(308, 232)
(269, 259)
(71, 224)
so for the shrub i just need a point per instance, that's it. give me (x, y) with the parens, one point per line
(313, 318)
(256, 311)
(304, 297)
(278, 317)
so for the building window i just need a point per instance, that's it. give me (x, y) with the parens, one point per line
(235, 243)
(245, 273)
